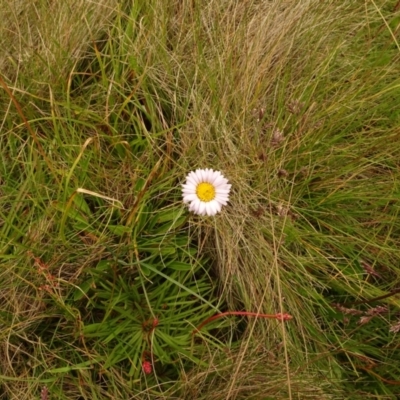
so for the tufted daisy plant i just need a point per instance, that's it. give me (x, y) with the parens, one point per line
(206, 191)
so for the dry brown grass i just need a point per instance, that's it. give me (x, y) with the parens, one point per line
(44, 39)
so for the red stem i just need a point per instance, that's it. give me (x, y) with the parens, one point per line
(279, 317)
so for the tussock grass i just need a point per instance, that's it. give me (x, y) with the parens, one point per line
(103, 269)
(43, 40)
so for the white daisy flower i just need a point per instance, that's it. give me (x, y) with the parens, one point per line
(206, 191)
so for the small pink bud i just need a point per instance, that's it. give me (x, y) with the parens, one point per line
(44, 394)
(147, 368)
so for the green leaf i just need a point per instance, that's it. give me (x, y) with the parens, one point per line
(119, 230)
(103, 265)
(179, 266)
(75, 367)
(83, 289)
(156, 271)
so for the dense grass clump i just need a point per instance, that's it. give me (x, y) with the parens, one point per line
(106, 276)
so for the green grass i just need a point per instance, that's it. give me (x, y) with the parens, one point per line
(102, 266)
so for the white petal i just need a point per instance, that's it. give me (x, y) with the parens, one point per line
(189, 197)
(194, 177)
(223, 187)
(209, 210)
(216, 177)
(222, 197)
(224, 202)
(187, 192)
(220, 180)
(202, 208)
(189, 187)
(191, 181)
(208, 174)
(218, 206)
(194, 206)
(212, 208)
(222, 191)
(203, 175)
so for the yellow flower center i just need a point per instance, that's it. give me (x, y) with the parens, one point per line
(205, 191)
